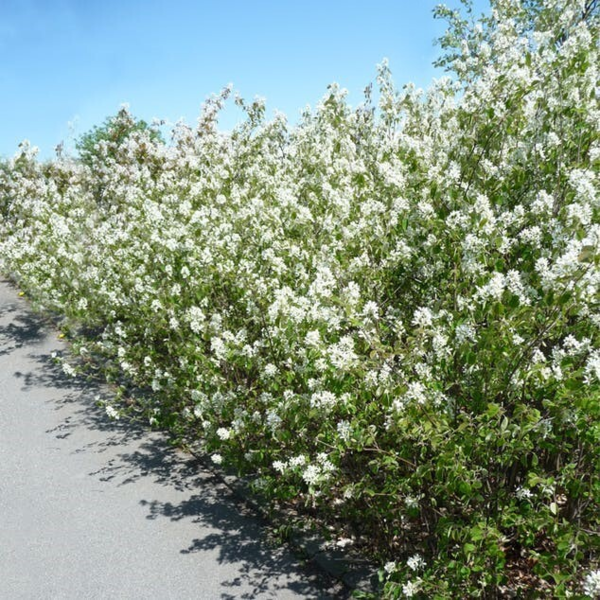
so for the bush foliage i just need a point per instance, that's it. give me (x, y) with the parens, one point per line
(388, 313)
(95, 146)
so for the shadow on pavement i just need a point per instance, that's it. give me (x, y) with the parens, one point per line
(18, 329)
(236, 533)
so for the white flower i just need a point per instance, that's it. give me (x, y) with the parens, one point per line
(592, 367)
(311, 474)
(270, 370)
(440, 345)
(223, 433)
(591, 584)
(326, 400)
(217, 459)
(342, 354)
(371, 310)
(412, 502)
(417, 392)
(196, 318)
(273, 420)
(343, 429)
(389, 567)
(280, 466)
(410, 588)
(523, 493)
(538, 357)
(112, 413)
(312, 338)
(219, 348)
(493, 289)
(297, 461)
(415, 562)
(69, 370)
(321, 364)
(465, 332)
(423, 317)
(517, 339)
(325, 464)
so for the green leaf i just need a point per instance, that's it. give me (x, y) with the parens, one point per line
(564, 298)
(493, 410)
(513, 301)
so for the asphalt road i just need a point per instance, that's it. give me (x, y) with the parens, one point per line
(93, 508)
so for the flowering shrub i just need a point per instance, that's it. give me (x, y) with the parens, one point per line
(92, 147)
(390, 313)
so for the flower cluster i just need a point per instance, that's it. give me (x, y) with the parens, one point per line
(389, 312)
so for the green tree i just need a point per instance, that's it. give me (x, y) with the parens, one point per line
(102, 142)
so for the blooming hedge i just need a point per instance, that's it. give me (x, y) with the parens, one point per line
(389, 314)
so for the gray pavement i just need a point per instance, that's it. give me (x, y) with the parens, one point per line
(92, 508)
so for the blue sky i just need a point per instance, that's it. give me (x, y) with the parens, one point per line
(75, 61)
